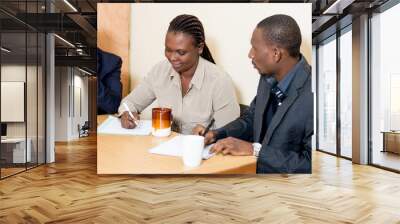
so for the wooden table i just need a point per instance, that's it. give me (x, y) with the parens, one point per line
(120, 154)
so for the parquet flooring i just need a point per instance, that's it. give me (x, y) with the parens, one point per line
(10, 171)
(69, 191)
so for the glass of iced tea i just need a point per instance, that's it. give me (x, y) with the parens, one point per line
(161, 121)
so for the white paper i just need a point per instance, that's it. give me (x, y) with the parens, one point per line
(113, 126)
(173, 147)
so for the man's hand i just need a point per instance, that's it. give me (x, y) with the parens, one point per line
(233, 146)
(127, 121)
(210, 136)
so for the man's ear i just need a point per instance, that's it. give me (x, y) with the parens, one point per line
(277, 54)
(201, 48)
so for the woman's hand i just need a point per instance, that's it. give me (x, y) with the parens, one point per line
(209, 138)
(127, 121)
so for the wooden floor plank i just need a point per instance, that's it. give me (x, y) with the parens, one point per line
(70, 191)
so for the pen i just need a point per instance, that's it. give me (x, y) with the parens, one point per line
(130, 114)
(208, 127)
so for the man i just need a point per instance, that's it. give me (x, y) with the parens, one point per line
(109, 87)
(278, 126)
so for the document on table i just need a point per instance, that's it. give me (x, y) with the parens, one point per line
(113, 126)
(173, 147)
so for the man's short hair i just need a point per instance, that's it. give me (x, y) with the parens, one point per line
(282, 30)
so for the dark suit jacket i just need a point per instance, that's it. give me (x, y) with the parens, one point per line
(109, 87)
(286, 147)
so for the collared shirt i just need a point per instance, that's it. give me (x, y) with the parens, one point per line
(285, 82)
(211, 95)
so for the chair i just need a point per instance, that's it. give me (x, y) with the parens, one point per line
(84, 130)
(243, 108)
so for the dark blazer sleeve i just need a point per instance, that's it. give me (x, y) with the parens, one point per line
(242, 127)
(109, 86)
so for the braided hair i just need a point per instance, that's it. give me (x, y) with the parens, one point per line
(191, 25)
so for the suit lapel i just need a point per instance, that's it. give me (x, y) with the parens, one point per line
(262, 101)
(280, 113)
(297, 83)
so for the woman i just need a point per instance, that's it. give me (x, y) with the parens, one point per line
(188, 82)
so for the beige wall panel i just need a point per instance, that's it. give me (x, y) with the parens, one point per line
(113, 34)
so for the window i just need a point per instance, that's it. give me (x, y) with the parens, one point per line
(22, 69)
(327, 96)
(346, 92)
(385, 89)
(314, 90)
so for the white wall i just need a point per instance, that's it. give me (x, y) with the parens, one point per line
(16, 73)
(71, 94)
(61, 103)
(228, 28)
(12, 101)
(82, 83)
(81, 103)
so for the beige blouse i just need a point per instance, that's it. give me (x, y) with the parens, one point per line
(211, 95)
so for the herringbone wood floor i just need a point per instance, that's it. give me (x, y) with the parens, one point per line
(69, 191)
